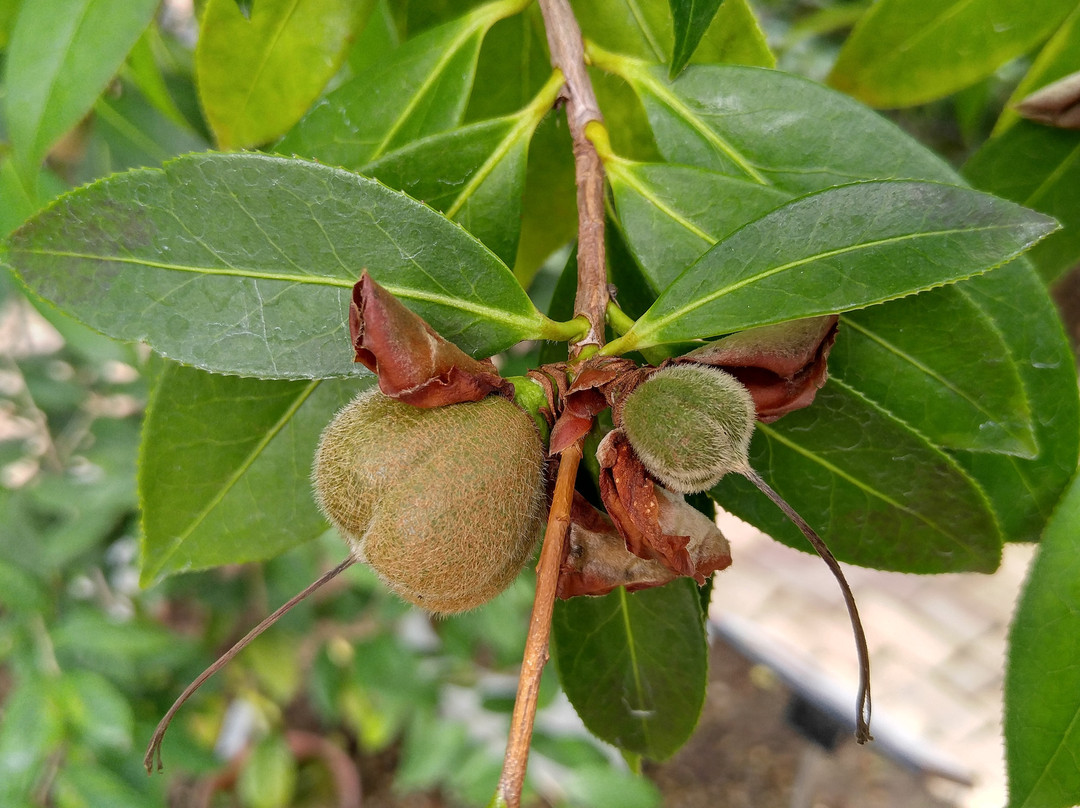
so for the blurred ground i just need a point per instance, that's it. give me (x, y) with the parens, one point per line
(937, 652)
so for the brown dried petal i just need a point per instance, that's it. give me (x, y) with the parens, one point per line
(630, 498)
(1056, 104)
(596, 560)
(590, 393)
(783, 365)
(414, 364)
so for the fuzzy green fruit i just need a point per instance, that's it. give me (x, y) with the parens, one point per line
(443, 503)
(690, 425)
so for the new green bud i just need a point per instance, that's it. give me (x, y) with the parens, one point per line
(443, 503)
(690, 425)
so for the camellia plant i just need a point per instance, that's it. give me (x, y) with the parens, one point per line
(760, 294)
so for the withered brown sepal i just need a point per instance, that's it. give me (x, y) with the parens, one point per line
(413, 362)
(783, 365)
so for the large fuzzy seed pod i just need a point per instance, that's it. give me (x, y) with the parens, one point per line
(443, 503)
(690, 425)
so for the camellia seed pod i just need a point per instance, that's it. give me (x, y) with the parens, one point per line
(443, 503)
(690, 425)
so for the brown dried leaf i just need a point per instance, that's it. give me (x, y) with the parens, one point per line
(596, 560)
(414, 364)
(590, 393)
(630, 498)
(783, 365)
(1056, 104)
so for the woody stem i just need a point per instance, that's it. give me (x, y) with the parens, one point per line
(536, 644)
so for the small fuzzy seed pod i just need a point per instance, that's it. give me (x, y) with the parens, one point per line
(443, 503)
(690, 425)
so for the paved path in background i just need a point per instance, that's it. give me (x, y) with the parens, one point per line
(937, 642)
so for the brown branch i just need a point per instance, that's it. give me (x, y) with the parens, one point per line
(536, 645)
(567, 54)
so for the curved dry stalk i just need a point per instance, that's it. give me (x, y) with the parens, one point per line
(862, 703)
(536, 644)
(153, 751)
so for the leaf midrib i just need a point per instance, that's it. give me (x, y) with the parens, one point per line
(928, 371)
(283, 22)
(470, 30)
(656, 325)
(498, 315)
(676, 105)
(870, 491)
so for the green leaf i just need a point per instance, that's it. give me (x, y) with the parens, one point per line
(61, 56)
(644, 29)
(673, 214)
(517, 41)
(135, 134)
(144, 71)
(421, 89)
(906, 52)
(1057, 59)
(1038, 167)
(1042, 678)
(268, 779)
(226, 464)
(835, 250)
(772, 128)
(32, 728)
(96, 710)
(690, 19)
(244, 263)
(879, 493)
(1024, 492)
(475, 174)
(259, 72)
(937, 362)
(549, 208)
(635, 665)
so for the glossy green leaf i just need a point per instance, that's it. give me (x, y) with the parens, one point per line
(1039, 167)
(644, 29)
(913, 356)
(17, 204)
(1059, 57)
(258, 73)
(686, 115)
(690, 19)
(937, 362)
(878, 492)
(144, 71)
(1024, 492)
(549, 208)
(517, 42)
(635, 665)
(475, 174)
(135, 134)
(226, 464)
(673, 214)
(906, 52)
(838, 249)
(244, 263)
(61, 56)
(1042, 678)
(421, 89)
(772, 128)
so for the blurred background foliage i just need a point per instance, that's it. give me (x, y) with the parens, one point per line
(89, 661)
